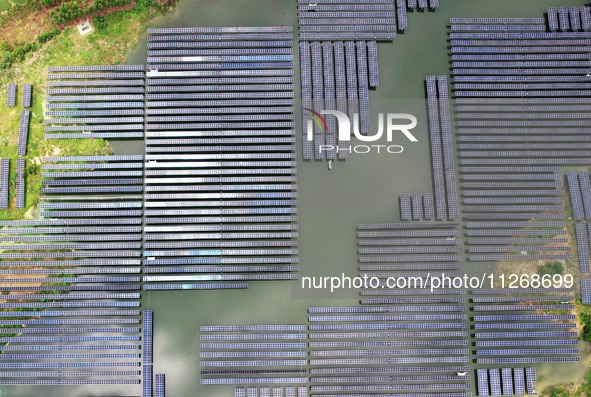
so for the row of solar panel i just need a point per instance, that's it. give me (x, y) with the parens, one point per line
(422, 207)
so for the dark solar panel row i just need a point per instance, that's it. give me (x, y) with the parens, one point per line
(586, 290)
(11, 95)
(248, 200)
(27, 95)
(436, 149)
(4, 181)
(583, 247)
(20, 183)
(23, 135)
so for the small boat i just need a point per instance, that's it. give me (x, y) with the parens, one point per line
(330, 164)
(461, 373)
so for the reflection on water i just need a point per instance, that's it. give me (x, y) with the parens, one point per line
(362, 190)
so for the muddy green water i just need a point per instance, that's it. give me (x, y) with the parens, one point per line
(362, 190)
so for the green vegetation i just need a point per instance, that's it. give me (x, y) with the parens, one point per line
(585, 320)
(109, 44)
(551, 268)
(66, 12)
(5, 4)
(18, 52)
(570, 390)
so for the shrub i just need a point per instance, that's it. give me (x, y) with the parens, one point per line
(46, 36)
(99, 23)
(66, 12)
(551, 268)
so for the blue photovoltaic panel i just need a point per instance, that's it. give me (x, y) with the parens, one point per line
(147, 336)
(159, 383)
(482, 382)
(586, 290)
(507, 381)
(11, 95)
(530, 380)
(495, 381)
(405, 207)
(519, 381)
(27, 95)
(20, 183)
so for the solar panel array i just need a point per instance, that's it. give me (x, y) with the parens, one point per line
(482, 381)
(147, 353)
(586, 290)
(159, 385)
(339, 63)
(523, 335)
(499, 70)
(221, 186)
(4, 182)
(11, 95)
(27, 95)
(511, 212)
(442, 153)
(253, 354)
(417, 207)
(271, 391)
(569, 19)
(20, 183)
(23, 133)
(401, 340)
(79, 269)
(95, 102)
(575, 196)
(492, 384)
(346, 20)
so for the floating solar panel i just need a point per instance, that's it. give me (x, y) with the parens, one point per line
(417, 206)
(159, 385)
(147, 337)
(401, 14)
(585, 18)
(11, 95)
(575, 20)
(405, 207)
(372, 58)
(436, 149)
(428, 206)
(552, 14)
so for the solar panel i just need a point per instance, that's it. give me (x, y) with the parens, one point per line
(495, 381)
(405, 207)
(27, 95)
(20, 183)
(519, 381)
(482, 382)
(530, 376)
(586, 290)
(11, 95)
(507, 378)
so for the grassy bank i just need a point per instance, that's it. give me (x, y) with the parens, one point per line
(108, 44)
